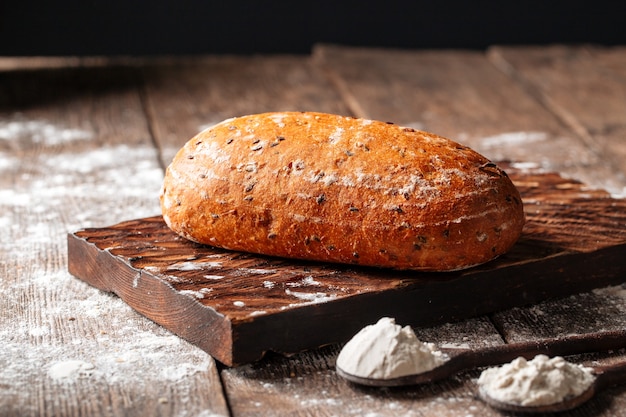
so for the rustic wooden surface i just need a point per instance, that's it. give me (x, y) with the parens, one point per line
(83, 143)
(253, 304)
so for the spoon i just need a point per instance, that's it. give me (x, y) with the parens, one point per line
(605, 376)
(463, 359)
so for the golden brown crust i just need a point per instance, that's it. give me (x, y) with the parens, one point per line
(331, 188)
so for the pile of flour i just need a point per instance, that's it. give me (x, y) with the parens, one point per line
(386, 350)
(540, 381)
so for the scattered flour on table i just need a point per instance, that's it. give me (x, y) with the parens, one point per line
(386, 350)
(41, 131)
(514, 138)
(105, 186)
(179, 372)
(527, 166)
(126, 355)
(540, 381)
(612, 291)
(533, 146)
(454, 345)
(208, 413)
(615, 297)
(77, 334)
(70, 369)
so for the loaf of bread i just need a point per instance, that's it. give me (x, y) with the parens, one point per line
(330, 188)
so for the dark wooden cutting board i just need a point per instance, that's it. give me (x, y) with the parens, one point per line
(238, 306)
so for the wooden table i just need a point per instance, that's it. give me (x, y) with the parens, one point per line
(83, 143)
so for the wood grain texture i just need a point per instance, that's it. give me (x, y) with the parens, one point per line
(613, 59)
(75, 149)
(307, 385)
(574, 85)
(585, 313)
(96, 165)
(251, 304)
(466, 98)
(189, 96)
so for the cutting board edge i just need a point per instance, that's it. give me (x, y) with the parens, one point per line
(362, 310)
(228, 339)
(190, 320)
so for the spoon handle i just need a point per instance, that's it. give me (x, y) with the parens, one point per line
(608, 375)
(562, 346)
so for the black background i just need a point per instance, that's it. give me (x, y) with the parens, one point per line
(158, 27)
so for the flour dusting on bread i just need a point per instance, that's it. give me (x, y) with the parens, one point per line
(333, 188)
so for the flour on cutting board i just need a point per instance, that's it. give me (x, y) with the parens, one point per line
(257, 271)
(306, 281)
(310, 297)
(199, 294)
(213, 277)
(193, 266)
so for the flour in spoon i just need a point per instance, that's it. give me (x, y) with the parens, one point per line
(540, 381)
(386, 350)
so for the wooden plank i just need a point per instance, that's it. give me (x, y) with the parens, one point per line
(257, 385)
(75, 151)
(307, 385)
(252, 304)
(32, 265)
(611, 58)
(459, 95)
(463, 96)
(186, 97)
(574, 85)
(603, 309)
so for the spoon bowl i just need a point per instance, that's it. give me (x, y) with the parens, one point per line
(453, 364)
(465, 359)
(605, 376)
(568, 403)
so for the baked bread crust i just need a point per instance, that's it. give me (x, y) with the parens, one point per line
(330, 188)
